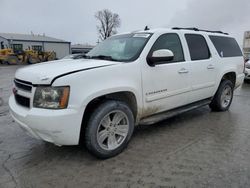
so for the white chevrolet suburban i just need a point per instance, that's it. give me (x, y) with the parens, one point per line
(129, 79)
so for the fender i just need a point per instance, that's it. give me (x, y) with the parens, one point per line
(110, 91)
(222, 74)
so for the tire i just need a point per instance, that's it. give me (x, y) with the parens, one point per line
(223, 97)
(51, 57)
(33, 60)
(104, 138)
(12, 60)
(4, 62)
(246, 81)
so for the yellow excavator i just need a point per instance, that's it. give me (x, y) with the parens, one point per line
(8, 56)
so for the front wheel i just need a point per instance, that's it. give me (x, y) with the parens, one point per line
(109, 129)
(223, 97)
(12, 60)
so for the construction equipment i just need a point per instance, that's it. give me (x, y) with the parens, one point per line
(8, 56)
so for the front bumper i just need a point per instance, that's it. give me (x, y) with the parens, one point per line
(61, 127)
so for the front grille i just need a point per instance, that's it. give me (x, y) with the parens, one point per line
(23, 85)
(23, 101)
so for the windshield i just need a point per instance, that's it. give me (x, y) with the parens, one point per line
(121, 47)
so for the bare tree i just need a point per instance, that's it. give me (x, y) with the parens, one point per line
(108, 23)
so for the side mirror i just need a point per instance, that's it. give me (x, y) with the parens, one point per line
(160, 57)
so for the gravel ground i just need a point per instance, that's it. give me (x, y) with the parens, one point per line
(196, 149)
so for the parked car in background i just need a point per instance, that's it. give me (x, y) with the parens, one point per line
(129, 79)
(247, 71)
(74, 56)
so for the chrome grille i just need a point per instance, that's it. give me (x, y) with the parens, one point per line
(23, 85)
(22, 92)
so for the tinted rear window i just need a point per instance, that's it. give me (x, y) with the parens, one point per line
(198, 47)
(226, 46)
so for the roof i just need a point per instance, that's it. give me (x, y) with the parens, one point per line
(32, 37)
(187, 30)
(81, 46)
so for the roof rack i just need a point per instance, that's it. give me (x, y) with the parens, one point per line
(196, 29)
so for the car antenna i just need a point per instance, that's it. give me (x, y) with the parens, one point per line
(146, 28)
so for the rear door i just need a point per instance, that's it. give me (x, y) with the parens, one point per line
(202, 68)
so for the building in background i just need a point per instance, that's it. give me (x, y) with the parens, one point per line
(81, 48)
(246, 44)
(19, 42)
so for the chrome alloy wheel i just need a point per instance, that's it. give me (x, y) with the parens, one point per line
(226, 96)
(112, 130)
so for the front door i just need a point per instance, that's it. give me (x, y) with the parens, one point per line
(166, 85)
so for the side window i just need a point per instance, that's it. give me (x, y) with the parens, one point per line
(170, 41)
(198, 47)
(37, 48)
(17, 47)
(226, 46)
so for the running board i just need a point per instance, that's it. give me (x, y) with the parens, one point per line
(165, 115)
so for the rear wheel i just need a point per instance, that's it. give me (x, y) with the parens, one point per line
(109, 129)
(223, 97)
(33, 60)
(51, 56)
(246, 81)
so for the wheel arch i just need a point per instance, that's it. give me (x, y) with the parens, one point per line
(128, 97)
(231, 75)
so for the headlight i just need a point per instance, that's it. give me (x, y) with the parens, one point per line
(51, 97)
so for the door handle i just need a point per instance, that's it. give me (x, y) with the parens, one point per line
(183, 71)
(210, 67)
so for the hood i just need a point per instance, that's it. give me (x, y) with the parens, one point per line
(44, 73)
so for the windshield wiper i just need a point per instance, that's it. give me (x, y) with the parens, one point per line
(103, 57)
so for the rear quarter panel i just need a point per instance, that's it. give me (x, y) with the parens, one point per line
(225, 65)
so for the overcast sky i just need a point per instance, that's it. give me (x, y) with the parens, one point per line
(73, 20)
